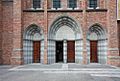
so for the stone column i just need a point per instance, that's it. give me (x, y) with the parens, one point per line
(79, 51)
(17, 33)
(65, 51)
(113, 50)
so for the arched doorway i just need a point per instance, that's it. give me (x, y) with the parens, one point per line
(33, 45)
(64, 35)
(97, 45)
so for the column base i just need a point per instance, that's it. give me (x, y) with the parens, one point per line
(84, 57)
(114, 60)
(17, 58)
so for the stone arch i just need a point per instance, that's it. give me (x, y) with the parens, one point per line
(32, 33)
(70, 22)
(62, 24)
(97, 33)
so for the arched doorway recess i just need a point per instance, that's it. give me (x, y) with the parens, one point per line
(33, 45)
(97, 45)
(63, 34)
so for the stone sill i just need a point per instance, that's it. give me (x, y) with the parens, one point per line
(96, 10)
(33, 10)
(118, 20)
(7, 0)
(78, 10)
(49, 10)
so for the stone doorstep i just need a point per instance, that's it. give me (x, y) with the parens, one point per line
(64, 69)
(107, 72)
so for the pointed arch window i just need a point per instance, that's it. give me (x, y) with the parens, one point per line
(36, 4)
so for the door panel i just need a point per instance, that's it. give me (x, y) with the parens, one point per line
(93, 51)
(36, 51)
(70, 51)
(59, 51)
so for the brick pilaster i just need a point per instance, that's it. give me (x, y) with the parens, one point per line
(84, 6)
(17, 34)
(45, 31)
(113, 52)
(0, 32)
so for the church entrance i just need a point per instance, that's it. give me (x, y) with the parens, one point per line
(33, 45)
(59, 51)
(97, 45)
(64, 41)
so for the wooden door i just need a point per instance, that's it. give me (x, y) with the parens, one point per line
(59, 51)
(36, 51)
(70, 51)
(93, 52)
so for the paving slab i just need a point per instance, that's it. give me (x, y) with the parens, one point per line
(60, 72)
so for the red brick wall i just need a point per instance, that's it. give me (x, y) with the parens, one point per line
(0, 32)
(16, 57)
(102, 4)
(7, 32)
(113, 51)
(118, 24)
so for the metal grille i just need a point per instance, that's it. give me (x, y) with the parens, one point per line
(56, 4)
(72, 4)
(36, 4)
(93, 4)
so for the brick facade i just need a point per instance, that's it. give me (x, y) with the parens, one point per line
(20, 16)
(0, 32)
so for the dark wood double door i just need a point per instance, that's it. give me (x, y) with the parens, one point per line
(36, 51)
(70, 51)
(93, 51)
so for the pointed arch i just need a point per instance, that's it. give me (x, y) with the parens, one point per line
(98, 29)
(64, 21)
(65, 25)
(97, 33)
(31, 34)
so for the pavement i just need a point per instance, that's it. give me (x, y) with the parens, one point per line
(60, 72)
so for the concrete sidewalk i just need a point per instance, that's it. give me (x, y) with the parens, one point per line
(60, 72)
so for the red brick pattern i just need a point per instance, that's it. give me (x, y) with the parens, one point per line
(0, 32)
(16, 57)
(7, 32)
(113, 33)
